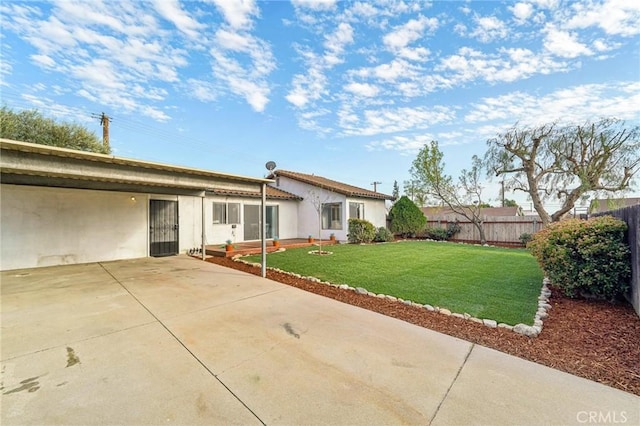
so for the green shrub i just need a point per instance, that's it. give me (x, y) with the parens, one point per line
(383, 235)
(442, 234)
(525, 238)
(438, 234)
(406, 218)
(453, 229)
(585, 258)
(361, 231)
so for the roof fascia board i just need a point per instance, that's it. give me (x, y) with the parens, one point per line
(8, 145)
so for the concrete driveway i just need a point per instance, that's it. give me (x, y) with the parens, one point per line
(180, 341)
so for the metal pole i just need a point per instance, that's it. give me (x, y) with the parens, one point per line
(204, 236)
(263, 228)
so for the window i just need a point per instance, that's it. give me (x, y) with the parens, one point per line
(356, 210)
(332, 216)
(226, 213)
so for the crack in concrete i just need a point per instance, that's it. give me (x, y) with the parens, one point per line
(198, 360)
(446, 394)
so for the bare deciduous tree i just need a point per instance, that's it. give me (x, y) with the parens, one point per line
(565, 162)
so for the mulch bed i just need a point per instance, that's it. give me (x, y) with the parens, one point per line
(594, 340)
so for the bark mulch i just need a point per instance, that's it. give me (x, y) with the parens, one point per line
(594, 340)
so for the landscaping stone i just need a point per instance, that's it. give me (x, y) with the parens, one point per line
(407, 302)
(526, 330)
(445, 311)
(361, 290)
(457, 315)
(507, 326)
(466, 316)
(429, 308)
(381, 296)
(392, 298)
(474, 319)
(490, 323)
(343, 286)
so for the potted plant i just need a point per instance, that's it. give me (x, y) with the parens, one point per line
(311, 239)
(276, 242)
(228, 246)
(332, 237)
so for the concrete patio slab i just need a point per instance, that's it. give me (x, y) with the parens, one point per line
(180, 341)
(499, 389)
(325, 351)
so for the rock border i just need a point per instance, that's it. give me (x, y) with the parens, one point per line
(534, 330)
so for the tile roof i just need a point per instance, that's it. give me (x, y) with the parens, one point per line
(332, 185)
(272, 193)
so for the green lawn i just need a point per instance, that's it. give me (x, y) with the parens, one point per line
(486, 282)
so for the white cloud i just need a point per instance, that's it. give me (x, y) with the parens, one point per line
(572, 104)
(307, 87)
(521, 11)
(238, 13)
(316, 5)
(409, 32)
(489, 28)
(362, 89)
(171, 11)
(505, 65)
(564, 44)
(43, 60)
(614, 17)
(202, 90)
(392, 120)
(336, 42)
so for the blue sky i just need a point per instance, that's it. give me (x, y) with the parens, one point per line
(348, 90)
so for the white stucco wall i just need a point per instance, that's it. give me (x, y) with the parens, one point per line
(219, 233)
(374, 210)
(55, 226)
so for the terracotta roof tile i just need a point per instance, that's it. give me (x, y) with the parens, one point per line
(332, 185)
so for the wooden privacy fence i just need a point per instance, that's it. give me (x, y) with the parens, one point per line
(498, 230)
(631, 215)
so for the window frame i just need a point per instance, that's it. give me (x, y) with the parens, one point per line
(330, 209)
(359, 210)
(222, 209)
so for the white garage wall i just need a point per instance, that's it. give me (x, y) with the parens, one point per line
(55, 226)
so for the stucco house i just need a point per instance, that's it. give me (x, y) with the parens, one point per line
(63, 206)
(327, 205)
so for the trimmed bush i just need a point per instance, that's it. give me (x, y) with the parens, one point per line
(406, 218)
(361, 231)
(585, 258)
(383, 235)
(442, 234)
(438, 234)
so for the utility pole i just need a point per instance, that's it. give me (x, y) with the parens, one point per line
(375, 186)
(104, 122)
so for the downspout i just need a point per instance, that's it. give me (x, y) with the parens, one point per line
(263, 227)
(204, 236)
